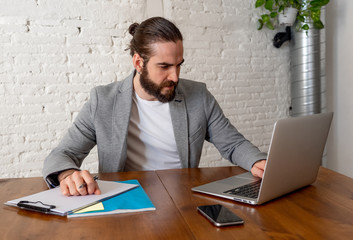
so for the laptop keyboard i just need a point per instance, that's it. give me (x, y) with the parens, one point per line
(250, 190)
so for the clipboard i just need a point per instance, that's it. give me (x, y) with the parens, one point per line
(37, 206)
(53, 202)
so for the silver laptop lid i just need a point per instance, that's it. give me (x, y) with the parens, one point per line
(293, 162)
(295, 154)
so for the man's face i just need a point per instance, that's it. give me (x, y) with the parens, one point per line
(160, 75)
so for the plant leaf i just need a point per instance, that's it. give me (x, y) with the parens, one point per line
(259, 3)
(265, 18)
(315, 14)
(319, 3)
(301, 18)
(270, 25)
(261, 24)
(269, 5)
(305, 27)
(273, 14)
(318, 24)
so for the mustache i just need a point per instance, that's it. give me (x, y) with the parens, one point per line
(168, 84)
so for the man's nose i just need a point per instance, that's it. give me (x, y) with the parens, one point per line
(174, 75)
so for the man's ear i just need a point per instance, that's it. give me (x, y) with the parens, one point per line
(137, 61)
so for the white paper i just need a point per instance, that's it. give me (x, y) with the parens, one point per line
(65, 205)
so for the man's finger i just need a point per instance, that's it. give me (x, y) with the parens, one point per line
(64, 189)
(97, 191)
(258, 168)
(72, 188)
(90, 183)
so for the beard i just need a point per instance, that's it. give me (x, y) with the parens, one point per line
(156, 90)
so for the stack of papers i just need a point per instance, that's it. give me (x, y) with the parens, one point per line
(116, 197)
(134, 200)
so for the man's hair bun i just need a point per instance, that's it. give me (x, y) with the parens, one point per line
(132, 28)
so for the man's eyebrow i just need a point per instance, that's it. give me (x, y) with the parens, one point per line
(169, 64)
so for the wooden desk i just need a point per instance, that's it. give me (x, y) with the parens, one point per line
(321, 211)
(164, 223)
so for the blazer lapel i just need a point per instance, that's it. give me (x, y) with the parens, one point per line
(180, 127)
(121, 118)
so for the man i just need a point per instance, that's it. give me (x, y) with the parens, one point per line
(151, 120)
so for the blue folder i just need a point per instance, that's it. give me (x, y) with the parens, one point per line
(133, 200)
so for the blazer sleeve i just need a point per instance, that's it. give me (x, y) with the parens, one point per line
(231, 144)
(75, 145)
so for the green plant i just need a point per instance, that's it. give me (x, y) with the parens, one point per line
(307, 10)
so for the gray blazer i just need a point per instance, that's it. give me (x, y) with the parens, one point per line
(104, 119)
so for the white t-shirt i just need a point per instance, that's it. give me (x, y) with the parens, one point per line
(151, 143)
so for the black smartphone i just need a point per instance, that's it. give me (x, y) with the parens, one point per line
(219, 215)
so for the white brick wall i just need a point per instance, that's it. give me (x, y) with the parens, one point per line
(53, 52)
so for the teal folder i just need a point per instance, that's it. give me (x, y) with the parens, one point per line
(134, 200)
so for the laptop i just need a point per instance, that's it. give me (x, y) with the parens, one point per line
(293, 162)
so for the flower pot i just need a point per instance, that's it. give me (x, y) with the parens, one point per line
(288, 16)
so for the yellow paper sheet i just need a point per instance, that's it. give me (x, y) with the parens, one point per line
(95, 207)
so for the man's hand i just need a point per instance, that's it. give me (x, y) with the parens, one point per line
(258, 168)
(71, 180)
